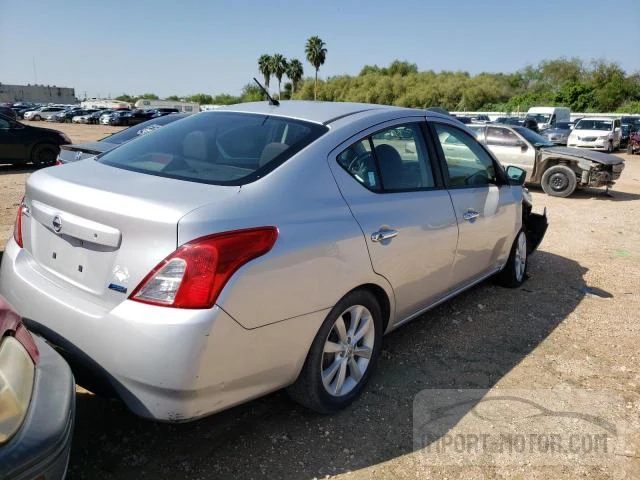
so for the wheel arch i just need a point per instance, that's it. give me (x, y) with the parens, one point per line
(383, 300)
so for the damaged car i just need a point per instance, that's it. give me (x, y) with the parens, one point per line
(560, 171)
(261, 246)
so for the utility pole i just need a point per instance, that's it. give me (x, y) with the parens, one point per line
(35, 73)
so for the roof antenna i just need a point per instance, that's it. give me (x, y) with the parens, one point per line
(266, 92)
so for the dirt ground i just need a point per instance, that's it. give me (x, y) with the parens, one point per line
(572, 325)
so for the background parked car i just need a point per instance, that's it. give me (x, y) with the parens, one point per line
(42, 113)
(65, 116)
(159, 112)
(596, 133)
(8, 112)
(37, 396)
(559, 170)
(21, 143)
(130, 118)
(558, 134)
(105, 117)
(81, 151)
(509, 120)
(86, 116)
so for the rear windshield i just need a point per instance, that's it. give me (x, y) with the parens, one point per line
(221, 148)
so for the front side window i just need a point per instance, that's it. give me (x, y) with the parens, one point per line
(468, 164)
(502, 137)
(391, 160)
(221, 148)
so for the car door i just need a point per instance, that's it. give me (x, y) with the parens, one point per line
(14, 144)
(511, 149)
(484, 204)
(387, 177)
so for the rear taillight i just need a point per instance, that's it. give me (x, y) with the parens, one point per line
(17, 228)
(58, 162)
(193, 276)
(18, 360)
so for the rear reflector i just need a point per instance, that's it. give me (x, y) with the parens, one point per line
(194, 275)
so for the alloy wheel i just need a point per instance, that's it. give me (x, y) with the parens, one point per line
(347, 350)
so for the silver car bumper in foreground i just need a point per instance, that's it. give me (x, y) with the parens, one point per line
(165, 363)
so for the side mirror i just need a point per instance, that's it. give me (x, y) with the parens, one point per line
(523, 146)
(516, 175)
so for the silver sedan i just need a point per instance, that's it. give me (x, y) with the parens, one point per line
(256, 247)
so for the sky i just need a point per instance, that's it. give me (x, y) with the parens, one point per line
(183, 47)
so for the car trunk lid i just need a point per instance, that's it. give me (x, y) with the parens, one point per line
(101, 229)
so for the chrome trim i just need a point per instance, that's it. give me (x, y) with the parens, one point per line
(470, 215)
(383, 235)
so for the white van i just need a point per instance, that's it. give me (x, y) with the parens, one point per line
(548, 117)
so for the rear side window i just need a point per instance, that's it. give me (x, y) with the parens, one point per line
(221, 148)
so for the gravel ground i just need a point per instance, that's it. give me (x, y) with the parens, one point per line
(552, 333)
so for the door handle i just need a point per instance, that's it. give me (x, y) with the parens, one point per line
(382, 235)
(470, 215)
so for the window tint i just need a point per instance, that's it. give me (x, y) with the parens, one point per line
(468, 164)
(501, 137)
(394, 159)
(4, 124)
(222, 148)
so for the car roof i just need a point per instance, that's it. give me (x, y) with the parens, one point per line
(310, 111)
(598, 118)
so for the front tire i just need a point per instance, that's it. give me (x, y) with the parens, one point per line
(610, 146)
(342, 356)
(514, 272)
(44, 155)
(559, 181)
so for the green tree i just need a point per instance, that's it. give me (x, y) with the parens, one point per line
(264, 65)
(200, 98)
(295, 72)
(174, 98)
(149, 96)
(126, 98)
(316, 53)
(279, 68)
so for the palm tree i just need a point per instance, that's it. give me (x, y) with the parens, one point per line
(264, 65)
(279, 68)
(295, 73)
(316, 52)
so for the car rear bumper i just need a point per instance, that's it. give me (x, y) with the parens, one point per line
(165, 363)
(41, 447)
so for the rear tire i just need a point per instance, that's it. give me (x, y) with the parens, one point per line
(514, 272)
(559, 181)
(37, 117)
(342, 356)
(44, 155)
